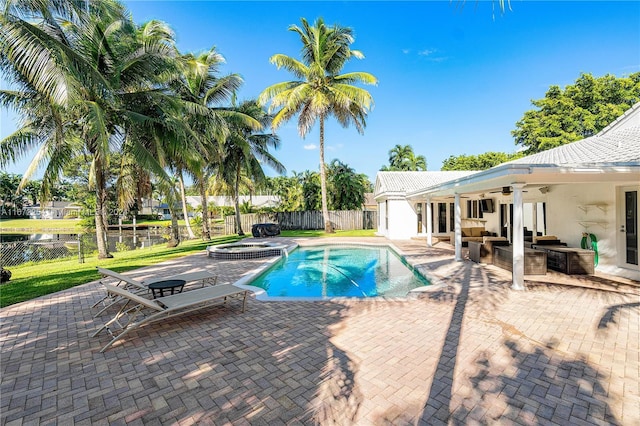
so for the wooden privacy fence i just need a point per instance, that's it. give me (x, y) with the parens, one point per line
(343, 219)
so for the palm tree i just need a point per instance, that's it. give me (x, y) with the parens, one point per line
(203, 92)
(245, 150)
(402, 158)
(319, 90)
(84, 81)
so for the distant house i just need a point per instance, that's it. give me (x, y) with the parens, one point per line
(370, 203)
(53, 210)
(590, 186)
(258, 201)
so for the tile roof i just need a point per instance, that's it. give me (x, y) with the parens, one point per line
(617, 146)
(404, 182)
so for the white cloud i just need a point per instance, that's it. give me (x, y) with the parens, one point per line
(310, 147)
(426, 52)
(406, 51)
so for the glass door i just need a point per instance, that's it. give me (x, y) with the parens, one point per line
(628, 221)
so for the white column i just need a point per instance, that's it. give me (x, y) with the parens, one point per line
(427, 212)
(535, 219)
(458, 226)
(518, 238)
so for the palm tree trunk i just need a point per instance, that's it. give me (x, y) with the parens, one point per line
(183, 196)
(328, 226)
(206, 230)
(236, 201)
(101, 212)
(175, 231)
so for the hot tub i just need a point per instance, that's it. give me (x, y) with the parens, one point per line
(249, 250)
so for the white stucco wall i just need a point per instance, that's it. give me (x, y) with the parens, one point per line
(403, 220)
(567, 206)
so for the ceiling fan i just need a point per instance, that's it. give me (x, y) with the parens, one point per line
(506, 190)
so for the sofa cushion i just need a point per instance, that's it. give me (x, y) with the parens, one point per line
(476, 231)
(544, 238)
(485, 239)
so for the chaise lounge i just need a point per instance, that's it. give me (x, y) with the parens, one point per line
(136, 286)
(164, 307)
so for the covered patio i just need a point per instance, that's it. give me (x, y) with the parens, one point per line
(589, 186)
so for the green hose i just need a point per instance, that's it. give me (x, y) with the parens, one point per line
(594, 247)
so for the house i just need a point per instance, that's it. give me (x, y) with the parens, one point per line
(589, 186)
(401, 219)
(257, 201)
(53, 210)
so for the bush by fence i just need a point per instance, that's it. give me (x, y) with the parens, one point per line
(345, 220)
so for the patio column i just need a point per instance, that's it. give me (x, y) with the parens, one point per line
(518, 238)
(427, 218)
(458, 226)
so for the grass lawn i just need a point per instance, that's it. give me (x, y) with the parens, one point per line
(32, 280)
(34, 225)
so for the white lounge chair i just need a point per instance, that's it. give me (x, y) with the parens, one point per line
(164, 307)
(136, 286)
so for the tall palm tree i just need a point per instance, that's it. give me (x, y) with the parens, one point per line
(320, 91)
(203, 92)
(84, 78)
(245, 150)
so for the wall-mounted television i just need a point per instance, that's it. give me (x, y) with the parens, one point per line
(486, 205)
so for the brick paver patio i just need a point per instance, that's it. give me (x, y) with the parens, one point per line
(471, 351)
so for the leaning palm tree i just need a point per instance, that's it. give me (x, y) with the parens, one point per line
(320, 91)
(245, 150)
(84, 77)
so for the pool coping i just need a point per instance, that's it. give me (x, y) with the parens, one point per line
(261, 294)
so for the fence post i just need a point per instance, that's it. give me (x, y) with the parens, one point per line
(80, 253)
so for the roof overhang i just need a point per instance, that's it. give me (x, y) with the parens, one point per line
(533, 175)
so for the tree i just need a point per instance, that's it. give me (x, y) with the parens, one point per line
(402, 158)
(347, 187)
(477, 162)
(87, 77)
(319, 90)
(577, 112)
(311, 190)
(245, 150)
(199, 86)
(288, 190)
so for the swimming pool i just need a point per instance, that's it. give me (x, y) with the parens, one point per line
(339, 271)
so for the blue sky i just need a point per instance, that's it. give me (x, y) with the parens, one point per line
(452, 80)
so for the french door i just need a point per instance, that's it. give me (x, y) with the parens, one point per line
(628, 241)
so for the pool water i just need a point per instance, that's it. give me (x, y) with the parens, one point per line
(340, 271)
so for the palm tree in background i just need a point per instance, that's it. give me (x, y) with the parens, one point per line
(245, 150)
(320, 91)
(86, 76)
(402, 158)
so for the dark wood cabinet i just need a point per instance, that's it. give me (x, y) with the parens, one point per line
(569, 260)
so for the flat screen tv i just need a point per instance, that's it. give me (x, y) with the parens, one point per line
(486, 205)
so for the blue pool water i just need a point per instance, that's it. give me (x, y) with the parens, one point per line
(340, 271)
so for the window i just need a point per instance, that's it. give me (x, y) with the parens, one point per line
(419, 213)
(442, 217)
(386, 214)
(474, 210)
(452, 216)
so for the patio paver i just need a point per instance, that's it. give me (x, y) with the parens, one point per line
(471, 351)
